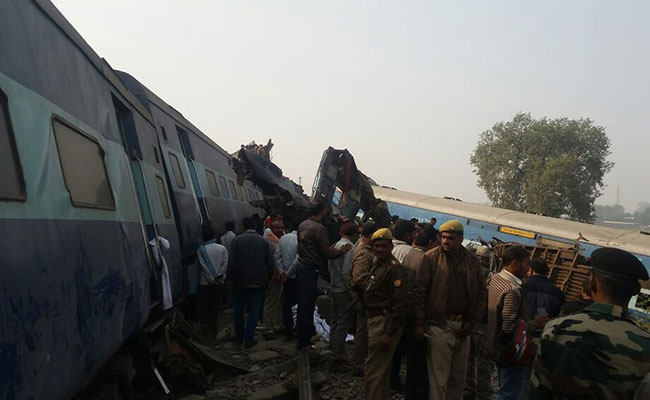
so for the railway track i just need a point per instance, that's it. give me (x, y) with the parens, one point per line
(303, 375)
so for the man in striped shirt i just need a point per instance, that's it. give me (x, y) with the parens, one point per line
(506, 306)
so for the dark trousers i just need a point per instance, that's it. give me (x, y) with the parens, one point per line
(417, 379)
(207, 305)
(396, 365)
(250, 298)
(290, 293)
(307, 280)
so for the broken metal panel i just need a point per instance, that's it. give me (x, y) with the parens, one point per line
(281, 194)
(337, 170)
(567, 269)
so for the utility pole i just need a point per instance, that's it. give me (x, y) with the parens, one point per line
(618, 195)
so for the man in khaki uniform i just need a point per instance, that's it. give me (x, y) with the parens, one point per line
(387, 302)
(361, 262)
(450, 299)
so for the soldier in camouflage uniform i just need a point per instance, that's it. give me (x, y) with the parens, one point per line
(598, 353)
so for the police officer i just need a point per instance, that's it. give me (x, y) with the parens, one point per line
(597, 353)
(387, 302)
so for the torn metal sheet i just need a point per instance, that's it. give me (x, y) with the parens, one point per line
(337, 170)
(281, 194)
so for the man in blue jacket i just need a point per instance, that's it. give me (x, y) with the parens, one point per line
(542, 296)
(250, 262)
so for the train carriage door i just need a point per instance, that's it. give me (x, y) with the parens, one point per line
(196, 184)
(132, 147)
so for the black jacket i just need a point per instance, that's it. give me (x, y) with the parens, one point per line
(249, 260)
(542, 293)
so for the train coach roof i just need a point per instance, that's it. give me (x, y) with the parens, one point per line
(635, 242)
(141, 90)
(102, 66)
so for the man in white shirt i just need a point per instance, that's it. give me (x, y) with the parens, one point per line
(212, 258)
(340, 270)
(285, 254)
(227, 237)
(404, 233)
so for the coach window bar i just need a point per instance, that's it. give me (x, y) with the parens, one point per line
(12, 181)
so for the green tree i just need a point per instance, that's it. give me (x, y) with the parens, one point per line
(550, 166)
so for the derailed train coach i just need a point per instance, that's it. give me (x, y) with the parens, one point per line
(88, 177)
(486, 223)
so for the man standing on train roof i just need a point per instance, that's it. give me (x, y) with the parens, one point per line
(387, 302)
(449, 300)
(313, 252)
(597, 353)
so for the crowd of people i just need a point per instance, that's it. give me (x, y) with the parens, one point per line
(414, 293)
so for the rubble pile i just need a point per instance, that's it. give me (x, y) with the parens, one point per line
(272, 367)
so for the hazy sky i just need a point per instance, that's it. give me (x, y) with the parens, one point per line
(406, 86)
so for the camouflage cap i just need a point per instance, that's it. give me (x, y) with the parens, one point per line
(618, 263)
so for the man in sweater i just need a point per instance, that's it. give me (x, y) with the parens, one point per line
(450, 299)
(249, 264)
(313, 252)
(506, 306)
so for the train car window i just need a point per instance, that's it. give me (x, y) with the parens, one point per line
(224, 186)
(163, 132)
(12, 183)
(162, 194)
(178, 173)
(233, 189)
(84, 169)
(212, 182)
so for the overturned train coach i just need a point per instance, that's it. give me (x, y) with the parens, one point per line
(484, 223)
(93, 167)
